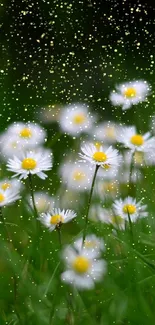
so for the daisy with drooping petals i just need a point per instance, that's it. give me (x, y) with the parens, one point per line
(75, 119)
(140, 158)
(92, 244)
(135, 141)
(29, 134)
(77, 176)
(106, 132)
(49, 113)
(100, 157)
(13, 184)
(31, 163)
(10, 146)
(107, 188)
(82, 270)
(43, 202)
(8, 196)
(56, 217)
(129, 206)
(107, 216)
(130, 93)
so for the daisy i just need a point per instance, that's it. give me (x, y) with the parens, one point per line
(8, 196)
(75, 119)
(129, 206)
(107, 188)
(77, 176)
(106, 132)
(56, 217)
(31, 163)
(130, 93)
(107, 216)
(49, 114)
(135, 141)
(43, 202)
(13, 184)
(140, 158)
(28, 134)
(12, 146)
(82, 270)
(100, 157)
(92, 244)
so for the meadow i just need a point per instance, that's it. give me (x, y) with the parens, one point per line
(77, 157)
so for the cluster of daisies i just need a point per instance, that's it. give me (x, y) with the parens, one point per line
(99, 166)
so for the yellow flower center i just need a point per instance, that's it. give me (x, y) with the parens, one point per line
(29, 163)
(90, 243)
(79, 118)
(25, 133)
(137, 140)
(5, 186)
(106, 166)
(116, 220)
(78, 176)
(2, 198)
(130, 92)
(110, 132)
(97, 145)
(109, 187)
(81, 264)
(139, 157)
(14, 145)
(129, 208)
(99, 156)
(55, 220)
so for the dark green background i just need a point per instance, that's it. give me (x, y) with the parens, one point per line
(112, 41)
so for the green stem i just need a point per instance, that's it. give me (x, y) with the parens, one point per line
(89, 203)
(59, 236)
(130, 186)
(5, 227)
(131, 170)
(130, 224)
(32, 195)
(54, 139)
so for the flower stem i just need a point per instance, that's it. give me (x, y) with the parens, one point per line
(5, 226)
(130, 224)
(59, 236)
(131, 170)
(89, 203)
(32, 195)
(130, 182)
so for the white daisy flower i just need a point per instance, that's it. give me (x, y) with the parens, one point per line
(49, 113)
(106, 132)
(124, 176)
(75, 119)
(129, 206)
(136, 142)
(13, 184)
(130, 93)
(107, 188)
(103, 215)
(141, 159)
(29, 134)
(100, 157)
(8, 196)
(43, 202)
(82, 270)
(12, 146)
(31, 163)
(92, 244)
(77, 176)
(56, 217)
